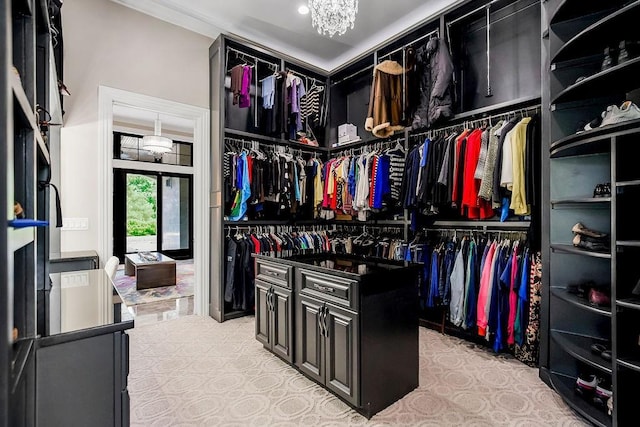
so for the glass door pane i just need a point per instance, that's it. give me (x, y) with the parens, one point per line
(176, 213)
(142, 218)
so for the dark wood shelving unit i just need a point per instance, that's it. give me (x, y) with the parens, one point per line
(282, 142)
(575, 163)
(574, 299)
(633, 364)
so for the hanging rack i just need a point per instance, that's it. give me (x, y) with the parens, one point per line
(422, 37)
(474, 11)
(267, 147)
(491, 118)
(246, 55)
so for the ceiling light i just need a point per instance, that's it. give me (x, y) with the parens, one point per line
(157, 143)
(303, 10)
(333, 16)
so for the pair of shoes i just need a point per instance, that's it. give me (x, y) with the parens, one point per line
(590, 244)
(594, 389)
(588, 239)
(602, 190)
(626, 50)
(601, 350)
(613, 115)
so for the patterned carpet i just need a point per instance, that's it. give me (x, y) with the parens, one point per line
(126, 286)
(193, 371)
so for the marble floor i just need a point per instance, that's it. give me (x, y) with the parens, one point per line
(145, 314)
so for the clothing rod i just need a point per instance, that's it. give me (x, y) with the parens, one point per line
(489, 117)
(515, 12)
(268, 145)
(466, 15)
(464, 230)
(485, 225)
(424, 36)
(255, 58)
(368, 67)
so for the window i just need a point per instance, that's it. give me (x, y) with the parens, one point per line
(129, 147)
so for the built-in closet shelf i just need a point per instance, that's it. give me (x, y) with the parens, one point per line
(570, 249)
(582, 303)
(28, 117)
(22, 350)
(569, 9)
(628, 243)
(632, 183)
(564, 386)
(594, 141)
(580, 347)
(254, 136)
(629, 363)
(581, 201)
(20, 237)
(27, 112)
(622, 77)
(590, 40)
(632, 303)
(397, 136)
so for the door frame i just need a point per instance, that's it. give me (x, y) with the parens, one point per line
(107, 97)
(122, 204)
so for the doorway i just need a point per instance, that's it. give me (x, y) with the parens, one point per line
(152, 212)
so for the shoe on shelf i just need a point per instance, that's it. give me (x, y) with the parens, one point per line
(609, 59)
(627, 50)
(590, 244)
(585, 127)
(581, 229)
(602, 190)
(602, 393)
(627, 111)
(599, 297)
(586, 385)
(608, 114)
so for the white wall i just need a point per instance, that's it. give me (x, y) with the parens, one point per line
(112, 45)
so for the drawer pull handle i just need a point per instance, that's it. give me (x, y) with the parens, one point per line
(323, 288)
(272, 273)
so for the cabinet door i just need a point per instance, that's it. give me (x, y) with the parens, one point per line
(282, 325)
(263, 313)
(342, 353)
(309, 339)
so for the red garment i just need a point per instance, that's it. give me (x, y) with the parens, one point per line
(372, 180)
(456, 184)
(256, 244)
(325, 198)
(249, 165)
(476, 207)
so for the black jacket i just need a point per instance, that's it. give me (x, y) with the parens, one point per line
(435, 70)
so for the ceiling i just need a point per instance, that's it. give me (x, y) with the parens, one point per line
(278, 25)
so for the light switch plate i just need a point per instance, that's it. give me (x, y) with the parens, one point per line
(74, 224)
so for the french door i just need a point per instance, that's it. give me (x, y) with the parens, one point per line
(153, 211)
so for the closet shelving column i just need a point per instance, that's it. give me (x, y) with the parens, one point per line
(579, 89)
(26, 156)
(228, 120)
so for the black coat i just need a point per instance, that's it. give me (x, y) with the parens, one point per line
(435, 70)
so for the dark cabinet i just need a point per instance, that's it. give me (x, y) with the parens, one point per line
(274, 310)
(356, 324)
(327, 349)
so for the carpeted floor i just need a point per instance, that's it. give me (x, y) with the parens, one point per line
(193, 371)
(126, 286)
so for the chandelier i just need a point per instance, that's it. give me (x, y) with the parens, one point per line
(156, 143)
(333, 16)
